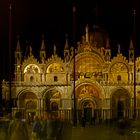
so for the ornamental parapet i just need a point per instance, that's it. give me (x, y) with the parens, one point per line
(34, 84)
(117, 83)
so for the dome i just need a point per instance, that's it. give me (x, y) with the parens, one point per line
(98, 36)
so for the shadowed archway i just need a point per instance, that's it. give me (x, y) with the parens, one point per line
(120, 104)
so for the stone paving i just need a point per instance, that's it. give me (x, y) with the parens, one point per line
(90, 132)
(101, 132)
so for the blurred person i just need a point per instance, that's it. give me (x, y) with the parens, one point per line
(43, 128)
(36, 128)
(17, 129)
(83, 121)
(53, 127)
(65, 129)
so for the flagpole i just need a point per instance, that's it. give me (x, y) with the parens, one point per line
(75, 108)
(10, 31)
(134, 38)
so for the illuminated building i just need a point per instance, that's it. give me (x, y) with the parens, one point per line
(104, 84)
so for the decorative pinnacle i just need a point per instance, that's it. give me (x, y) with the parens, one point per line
(10, 7)
(74, 9)
(134, 11)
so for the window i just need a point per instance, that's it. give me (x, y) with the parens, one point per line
(31, 79)
(55, 78)
(118, 78)
(54, 106)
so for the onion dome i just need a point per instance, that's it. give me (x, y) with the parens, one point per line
(98, 37)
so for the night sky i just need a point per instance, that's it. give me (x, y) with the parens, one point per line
(32, 19)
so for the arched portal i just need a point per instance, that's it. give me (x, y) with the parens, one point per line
(52, 100)
(27, 103)
(88, 101)
(88, 109)
(120, 104)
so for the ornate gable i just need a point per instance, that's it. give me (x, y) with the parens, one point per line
(119, 59)
(30, 60)
(55, 64)
(119, 69)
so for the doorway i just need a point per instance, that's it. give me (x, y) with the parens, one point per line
(120, 109)
(87, 110)
(88, 114)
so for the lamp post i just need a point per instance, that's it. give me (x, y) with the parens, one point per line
(10, 31)
(134, 37)
(74, 97)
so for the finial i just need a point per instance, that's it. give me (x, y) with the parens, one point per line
(83, 39)
(119, 47)
(66, 43)
(74, 9)
(30, 51)
(131, 44)
(18, 44)
(87, 33)
(42, 44)
(134, 11)
(10, 7)
(54, 49)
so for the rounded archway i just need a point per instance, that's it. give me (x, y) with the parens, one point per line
(88, 109)
(52, 100)
(24, 97)
(88, 99)
(120, 104)
(28, 103)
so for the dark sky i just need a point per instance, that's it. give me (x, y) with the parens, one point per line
(53, 18)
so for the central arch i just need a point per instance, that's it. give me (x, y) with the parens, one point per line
(88, 99)
(88, 108)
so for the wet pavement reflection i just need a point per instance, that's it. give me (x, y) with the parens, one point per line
(102, 131)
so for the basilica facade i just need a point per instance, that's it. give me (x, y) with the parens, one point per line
(101, 85)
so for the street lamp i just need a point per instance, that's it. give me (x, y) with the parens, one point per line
(134, 115)
(74, 97)
(10, 32)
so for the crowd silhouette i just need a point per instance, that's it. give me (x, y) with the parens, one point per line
(45, 127)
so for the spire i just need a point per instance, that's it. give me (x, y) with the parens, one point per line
(42, 44)
(119, 48)
(66, 44)
(42, 51)
(18, 45)
(18, 52)
(54, 49)
(30, 51)
(131, 47)
(107, 44)
(87, 33)
(107, 51)
(66, 50)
